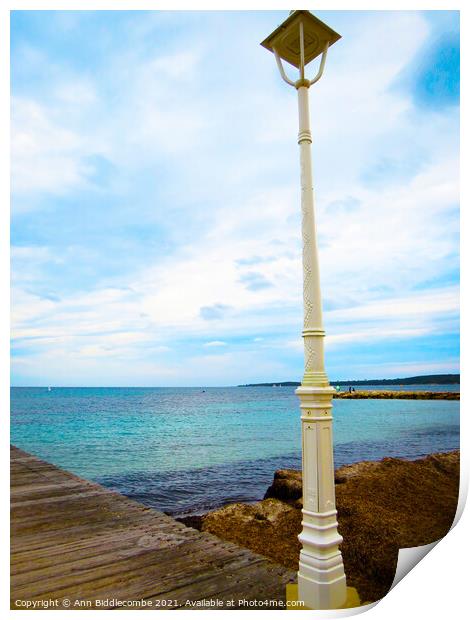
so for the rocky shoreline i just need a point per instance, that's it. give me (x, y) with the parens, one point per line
(410, 395)
(382, 507)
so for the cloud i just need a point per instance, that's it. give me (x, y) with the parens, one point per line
(427, 303)
(215, 343)
(255, 281)
(216, 311)
(347, 204)
(46, 157)
(76, 92)
(254, 260)
(156, 200)
(419, 367)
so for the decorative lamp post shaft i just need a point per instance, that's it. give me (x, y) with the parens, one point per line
(321, 578)
(313, 332)
(322, 582)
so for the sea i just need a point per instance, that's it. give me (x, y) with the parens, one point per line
(188, 450)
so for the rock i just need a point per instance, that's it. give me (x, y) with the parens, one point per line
(287, 485)
(382, 507)
(265, 527)
(405, 394)
(194, 521)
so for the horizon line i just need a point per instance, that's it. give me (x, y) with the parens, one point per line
(236, 385)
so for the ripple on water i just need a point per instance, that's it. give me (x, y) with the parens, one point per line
(182, 450)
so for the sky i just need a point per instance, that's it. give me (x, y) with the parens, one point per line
(155, 208)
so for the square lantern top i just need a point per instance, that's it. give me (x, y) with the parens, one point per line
(286, 38)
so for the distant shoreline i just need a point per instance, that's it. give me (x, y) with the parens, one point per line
(410, 394)
(448, 379)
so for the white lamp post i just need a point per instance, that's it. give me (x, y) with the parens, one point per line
(322, 582)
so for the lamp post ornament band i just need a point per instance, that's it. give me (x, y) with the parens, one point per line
(321, 579)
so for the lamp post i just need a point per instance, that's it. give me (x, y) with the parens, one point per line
(321, 579)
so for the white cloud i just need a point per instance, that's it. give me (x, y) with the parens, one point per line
(76, 92)
(424, 304)
(229, 142)
(407, 369)
(45, 156)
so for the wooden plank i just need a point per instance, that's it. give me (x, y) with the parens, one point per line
(104, 552)
(32, 542)
(155, 579)
(164, 560)
(74, 539)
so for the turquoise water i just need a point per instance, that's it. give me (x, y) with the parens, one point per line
(189, 449)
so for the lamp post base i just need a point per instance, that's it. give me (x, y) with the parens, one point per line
(320, 587)
(293, 599)
(321, 578)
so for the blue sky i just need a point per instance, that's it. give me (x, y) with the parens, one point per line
(155, 198)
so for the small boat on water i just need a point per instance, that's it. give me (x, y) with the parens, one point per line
(49, 389)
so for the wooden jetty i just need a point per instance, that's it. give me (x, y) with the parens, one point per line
(77, 545)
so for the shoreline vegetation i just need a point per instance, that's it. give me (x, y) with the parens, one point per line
(382, 506)
(446, 379)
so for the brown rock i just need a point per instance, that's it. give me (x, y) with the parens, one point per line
(382, 507)
(268, 527)
(287, 485)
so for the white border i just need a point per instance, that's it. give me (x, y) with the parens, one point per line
(438, 587)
